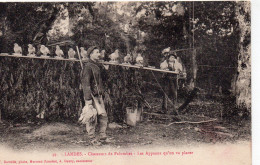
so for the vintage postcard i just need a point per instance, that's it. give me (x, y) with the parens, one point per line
(118, 82)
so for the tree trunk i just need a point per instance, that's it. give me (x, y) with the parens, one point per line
(194, 66)
(242, 81)
(126, 40)
(0, 116)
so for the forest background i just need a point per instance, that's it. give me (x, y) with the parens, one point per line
(219, 31)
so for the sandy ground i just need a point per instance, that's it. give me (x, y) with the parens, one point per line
(219, 138)
(62, 135)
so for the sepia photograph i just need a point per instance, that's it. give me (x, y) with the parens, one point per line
(125, 82)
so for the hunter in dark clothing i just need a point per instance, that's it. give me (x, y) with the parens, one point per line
(93, 90)
(92, 80)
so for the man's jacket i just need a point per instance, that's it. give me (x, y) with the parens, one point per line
(91, 79)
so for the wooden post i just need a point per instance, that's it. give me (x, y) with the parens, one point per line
(79, 55)
(176, 91)
(194, 67)
(80, 86)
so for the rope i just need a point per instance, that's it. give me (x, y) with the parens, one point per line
(213, 66)
(189, 24)
(209, 66)
(178, 50)
(193, 25)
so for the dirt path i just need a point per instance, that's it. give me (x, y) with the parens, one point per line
(148, 133)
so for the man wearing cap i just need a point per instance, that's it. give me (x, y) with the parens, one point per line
(165, 53)
(173, 63)
(93, 89)
(170, 82)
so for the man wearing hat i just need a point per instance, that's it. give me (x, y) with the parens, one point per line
(165, 53)
(169, 82)
(92, 84)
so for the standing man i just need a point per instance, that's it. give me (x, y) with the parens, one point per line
(170, 83)
(93, 90)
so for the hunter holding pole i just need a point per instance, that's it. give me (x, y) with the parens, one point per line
(94, 111)
(170, 82)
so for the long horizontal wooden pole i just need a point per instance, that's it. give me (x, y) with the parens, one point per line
(77, 60)
(178, 50)
(139, 67)
(40, 57)
(68, 42)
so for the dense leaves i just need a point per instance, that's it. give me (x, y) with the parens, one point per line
(31, 87)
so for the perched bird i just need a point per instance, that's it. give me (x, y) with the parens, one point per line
(31, 50)
(127, 59)
(17, 49)
(41, 115)
(71, 53)
(83, 53)
(44, 50)
(59, 52)
(166, 50)
(139, 59)
(164, 65)
(114, 56)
